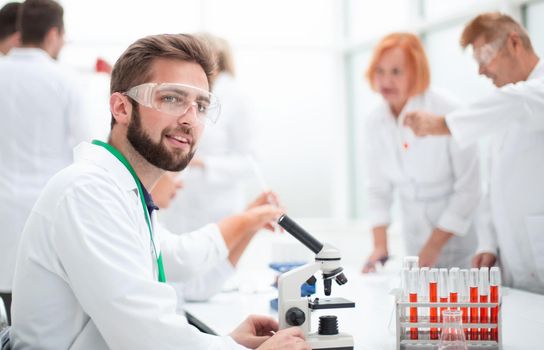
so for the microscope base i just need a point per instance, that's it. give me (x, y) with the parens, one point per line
(341, 341)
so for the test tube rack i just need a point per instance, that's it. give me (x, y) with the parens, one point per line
(403, 325)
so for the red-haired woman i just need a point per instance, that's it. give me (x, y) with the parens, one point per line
(438, 183)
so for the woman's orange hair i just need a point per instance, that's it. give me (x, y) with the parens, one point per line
(417, 63)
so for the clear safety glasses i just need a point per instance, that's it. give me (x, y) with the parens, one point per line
(176, 99)
(487, 52)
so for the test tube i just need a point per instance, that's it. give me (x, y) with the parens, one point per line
(414, 281)
(494, 285)
(410, 262)
(423, 295)
(464, 296)
(433, 298)
(484, 298)
(443, 289)
(453, 285)
(473, 287)
(404, 285)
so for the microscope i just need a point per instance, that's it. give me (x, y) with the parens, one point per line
(294, 310)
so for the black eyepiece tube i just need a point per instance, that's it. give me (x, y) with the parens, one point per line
(299, 233)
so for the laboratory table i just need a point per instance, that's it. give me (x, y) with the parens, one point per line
(372, 321)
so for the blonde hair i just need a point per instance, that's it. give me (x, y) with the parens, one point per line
(222, 52)
(417, 63)
(492, 26)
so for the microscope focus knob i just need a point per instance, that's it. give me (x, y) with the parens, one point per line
(295, 316)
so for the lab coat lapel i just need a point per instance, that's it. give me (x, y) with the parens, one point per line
(391, 138)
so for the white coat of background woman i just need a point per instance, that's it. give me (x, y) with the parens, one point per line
(438, 184)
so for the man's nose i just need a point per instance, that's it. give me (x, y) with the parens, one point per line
(190, 116)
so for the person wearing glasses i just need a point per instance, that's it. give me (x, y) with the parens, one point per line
(93, 263)
(514, 116)
(437, 182)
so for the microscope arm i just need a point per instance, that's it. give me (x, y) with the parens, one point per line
(289, 283)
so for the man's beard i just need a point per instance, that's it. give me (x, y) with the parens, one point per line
(156, 153)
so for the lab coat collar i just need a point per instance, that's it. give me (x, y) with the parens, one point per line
(97, 155)
(538, 71)
(29, 52)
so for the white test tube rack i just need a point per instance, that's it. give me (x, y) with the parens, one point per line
(423, 325)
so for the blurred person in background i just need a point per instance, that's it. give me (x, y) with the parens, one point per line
(513, 116)
(208, 283)
(437, 182)
(10, 37)
(42, 117)
(213, 183)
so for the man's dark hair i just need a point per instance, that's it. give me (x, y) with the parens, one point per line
(8, 19)
(36, 19)
(135, 64)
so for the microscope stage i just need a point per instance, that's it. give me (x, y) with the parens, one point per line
(330, 303)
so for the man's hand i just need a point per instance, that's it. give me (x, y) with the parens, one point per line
(428, 256)
(263, 216)
(267, 197)
(379, 255)
(286, 339)
(240, 228)
(267, 204)
(425, 123)
(254, 331)
(484, 260)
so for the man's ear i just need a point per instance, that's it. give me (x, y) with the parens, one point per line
(514, 42)
(120, 108)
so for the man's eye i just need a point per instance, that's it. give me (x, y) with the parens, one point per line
(202, 107)
(170, 99)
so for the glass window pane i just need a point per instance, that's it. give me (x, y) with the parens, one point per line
(364, 100)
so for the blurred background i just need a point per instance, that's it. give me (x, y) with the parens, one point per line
(300, 64)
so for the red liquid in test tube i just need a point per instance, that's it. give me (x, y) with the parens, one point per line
(494, 283)
(473, 283)
(484, 298)
(464, 297)
(413, 316)
(433, 298)
(413, 288)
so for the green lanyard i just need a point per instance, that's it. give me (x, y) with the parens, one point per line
(122, 159)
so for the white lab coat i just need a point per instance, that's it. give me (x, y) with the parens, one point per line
(86, 275)
(514, 115)
(217, 191)
(42, 120)
(438, 183)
